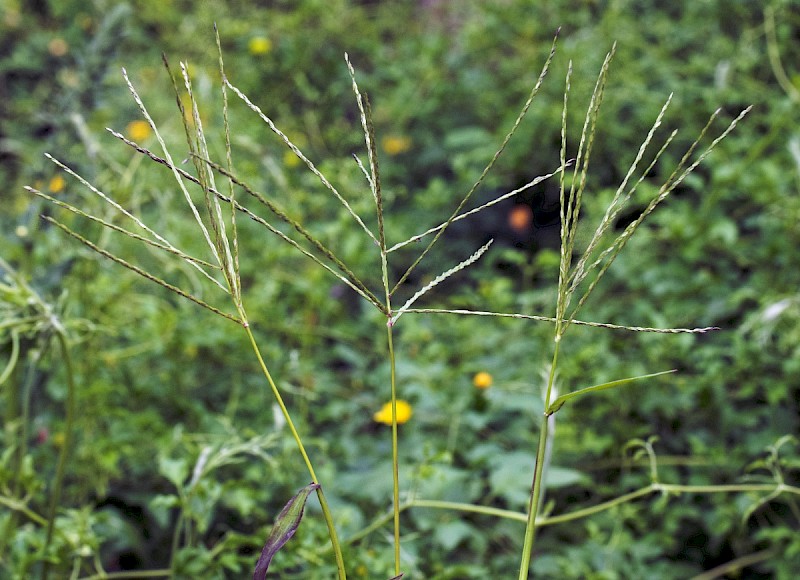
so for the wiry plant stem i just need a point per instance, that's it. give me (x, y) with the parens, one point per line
(374, 179)
(326, 512)
(167, 155)
(66, 447)
(536, 487)
(608, 325)
(677, 176)
(116, 228)
(366, 292)
(355, 284)
(441, 278)
(395, 455)
(129, 215)
(229, 164)
(466, 214)
(302, 157)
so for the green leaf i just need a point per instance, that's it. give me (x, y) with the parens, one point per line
(559, 402)
(175, 470)
(285, 526)
(556, 477)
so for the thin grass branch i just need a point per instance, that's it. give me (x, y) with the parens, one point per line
(489, 166)
(142, 272)
(616, 247)
(607, 325)
(439, 279)
(471, 212)
(619, 201)
(302, 157)
(167, 248)
(302, 231)
(175, 173)
(360, 289)
(369, 136)
(129, 215)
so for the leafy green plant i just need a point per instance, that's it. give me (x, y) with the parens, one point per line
(593, 253)
(33, 326)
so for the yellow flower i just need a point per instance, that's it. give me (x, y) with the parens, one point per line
(56, 184)
(482, 380)
(57, 47)
(259, 45)
(385, 414)
(291, 160)
(396, 144)
(138, 130)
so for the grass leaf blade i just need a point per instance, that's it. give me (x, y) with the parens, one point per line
(559, 402)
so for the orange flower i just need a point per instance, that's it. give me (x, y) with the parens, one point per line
(482, 380)
(520, 218)
(384, 416)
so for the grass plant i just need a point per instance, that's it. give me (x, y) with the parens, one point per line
(582, 265)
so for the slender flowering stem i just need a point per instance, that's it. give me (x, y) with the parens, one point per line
(536, 488)
(395, 459)
(326, 512)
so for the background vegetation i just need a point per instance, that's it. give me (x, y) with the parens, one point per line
(158, 381)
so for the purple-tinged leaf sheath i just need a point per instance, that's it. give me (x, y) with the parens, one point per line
(286, 525)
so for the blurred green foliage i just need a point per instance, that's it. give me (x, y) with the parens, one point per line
(159, 382)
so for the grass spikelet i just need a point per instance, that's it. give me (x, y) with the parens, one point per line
(175, 173)
(441, 278)
(612, 251)
(143, 273)
(166, 244)
(130, 234)
(471, 212)
(303, 158)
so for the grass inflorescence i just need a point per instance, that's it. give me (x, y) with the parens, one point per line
(582, 265)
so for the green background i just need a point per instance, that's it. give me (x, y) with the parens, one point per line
(159, 379)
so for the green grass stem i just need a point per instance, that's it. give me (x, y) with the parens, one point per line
(395, 454)
(536, 486)
(66, 447)
(323, 502)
